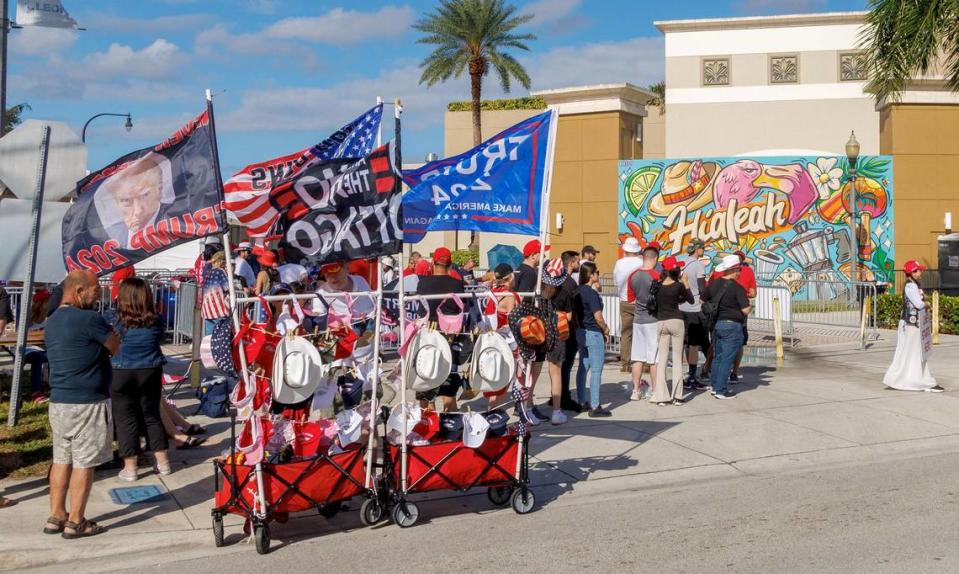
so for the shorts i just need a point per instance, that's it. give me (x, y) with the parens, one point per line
(645, 343)
(82, 433)
(696, 333)
(557, 354)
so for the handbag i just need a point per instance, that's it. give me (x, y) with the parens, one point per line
(450, 323)
(711, 308)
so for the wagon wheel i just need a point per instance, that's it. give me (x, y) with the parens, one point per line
(217, 530)
(261, 535)
(405, 514)
(499, 495)
(523, 500)
(371, 512)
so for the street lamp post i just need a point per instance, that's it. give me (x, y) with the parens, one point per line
(852, 154)
(128, 125)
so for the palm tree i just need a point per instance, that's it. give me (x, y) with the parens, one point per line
(11, 118)
(906, 37)
(659, 88)
(473, 35)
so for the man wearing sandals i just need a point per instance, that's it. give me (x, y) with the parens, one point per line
(79, 345)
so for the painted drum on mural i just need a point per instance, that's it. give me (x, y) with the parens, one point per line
(789, 215)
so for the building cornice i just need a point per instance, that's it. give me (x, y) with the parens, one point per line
(827, 18)
(622, 97)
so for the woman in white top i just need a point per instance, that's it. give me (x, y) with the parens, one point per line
(909, 370)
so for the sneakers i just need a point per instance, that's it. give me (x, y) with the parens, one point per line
(127, 477)
(538, 414)
(694, 384)
(559, 417)
(725, 395)
(636, 396)
(733, 379)
(935, 389)
(599, 412)
(523, 413)
(572, 406)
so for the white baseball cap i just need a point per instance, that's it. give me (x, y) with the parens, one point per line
(728, 262)
(631, 245)
(475, 427)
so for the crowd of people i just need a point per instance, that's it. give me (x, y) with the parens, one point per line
(105, 370)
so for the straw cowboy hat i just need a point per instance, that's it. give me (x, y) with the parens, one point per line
(297, 369)
(430, 361)
(493, 363)
(688, 183)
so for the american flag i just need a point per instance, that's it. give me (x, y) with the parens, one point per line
(214, 304)
(247, 193)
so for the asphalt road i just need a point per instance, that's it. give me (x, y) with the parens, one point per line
(898, 516)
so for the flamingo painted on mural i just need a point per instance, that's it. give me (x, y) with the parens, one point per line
(744, 179)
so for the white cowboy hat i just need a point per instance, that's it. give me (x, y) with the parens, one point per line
(475, 427)
(297, 369)
(493, 363)
(728, 262)
(430, 361)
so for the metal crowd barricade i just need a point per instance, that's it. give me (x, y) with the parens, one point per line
(611, 316)
(173, 299)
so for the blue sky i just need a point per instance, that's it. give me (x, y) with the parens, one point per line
(289, 72)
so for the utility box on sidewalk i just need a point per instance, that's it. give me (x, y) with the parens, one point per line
(949, 264)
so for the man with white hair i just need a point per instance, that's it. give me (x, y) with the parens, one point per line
(731, 304)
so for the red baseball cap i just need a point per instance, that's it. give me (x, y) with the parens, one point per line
(442, 256)
(912, 266)
(671, 263)
(532, 247)
(653, 245)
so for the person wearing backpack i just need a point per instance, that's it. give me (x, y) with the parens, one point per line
(642, 285)
(725, 307)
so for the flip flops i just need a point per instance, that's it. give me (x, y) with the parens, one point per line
(194, 430)
(82, 529)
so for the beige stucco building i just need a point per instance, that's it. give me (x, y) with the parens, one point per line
(778, 85)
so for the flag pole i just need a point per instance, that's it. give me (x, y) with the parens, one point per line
(397, 112)
(377, 337)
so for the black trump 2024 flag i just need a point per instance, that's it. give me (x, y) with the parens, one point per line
(145, 202)
(342, 209)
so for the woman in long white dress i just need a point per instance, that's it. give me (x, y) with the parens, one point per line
(909, 370)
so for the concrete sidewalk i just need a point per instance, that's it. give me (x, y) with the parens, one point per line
(822, 408)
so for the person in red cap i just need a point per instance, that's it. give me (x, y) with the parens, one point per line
(442, 282)
(527, 274)
(673, 291)
(909, 370)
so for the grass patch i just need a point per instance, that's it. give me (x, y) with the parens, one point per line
(26, 449)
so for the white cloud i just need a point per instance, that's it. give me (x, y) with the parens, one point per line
(550, 11)
(37, 41)
(159, 60)
(339, 26)
(177, 23)
(639, 61)
(262, 6)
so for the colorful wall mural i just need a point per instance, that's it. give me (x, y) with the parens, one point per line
(790, 215)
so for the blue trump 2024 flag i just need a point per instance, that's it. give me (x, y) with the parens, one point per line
(496, 187)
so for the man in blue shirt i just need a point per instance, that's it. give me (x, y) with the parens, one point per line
(79, 345)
